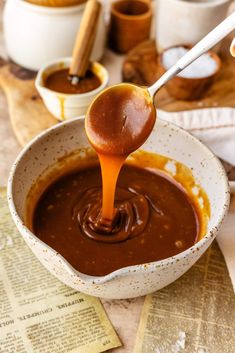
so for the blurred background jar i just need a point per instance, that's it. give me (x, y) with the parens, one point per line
(130, 24)
(187, 21)
(36, 34)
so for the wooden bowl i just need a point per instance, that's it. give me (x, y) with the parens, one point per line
(56, 3)
(184, 88)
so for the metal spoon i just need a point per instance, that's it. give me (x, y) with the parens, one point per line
(126, 101)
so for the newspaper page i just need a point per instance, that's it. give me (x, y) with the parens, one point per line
(195, 314)
(38, 313)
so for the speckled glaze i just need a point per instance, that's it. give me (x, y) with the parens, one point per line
(166, 139)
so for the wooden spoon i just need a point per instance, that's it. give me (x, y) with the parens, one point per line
(84, 41)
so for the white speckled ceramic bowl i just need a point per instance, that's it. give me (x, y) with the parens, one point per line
(166, 139)
(66, 106)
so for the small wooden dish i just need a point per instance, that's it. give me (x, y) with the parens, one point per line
(185, 88)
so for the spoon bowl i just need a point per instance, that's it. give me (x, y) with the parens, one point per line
(120, 119)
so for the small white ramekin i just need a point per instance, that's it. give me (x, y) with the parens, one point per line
(66, 106)
(35, 35)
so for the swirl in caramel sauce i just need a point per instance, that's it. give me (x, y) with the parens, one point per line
(154, 219)
(131, 215)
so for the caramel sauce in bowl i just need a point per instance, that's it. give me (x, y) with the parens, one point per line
(170, 149)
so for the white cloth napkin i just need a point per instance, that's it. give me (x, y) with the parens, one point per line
(213, 126)
(216, 128)
(226, 241)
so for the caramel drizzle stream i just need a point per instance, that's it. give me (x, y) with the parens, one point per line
(110, 168)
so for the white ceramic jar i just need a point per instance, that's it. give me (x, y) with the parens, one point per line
(35, 34)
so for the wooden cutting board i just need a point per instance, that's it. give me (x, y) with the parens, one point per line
(27, 112)
(141, 67)
(29, 116)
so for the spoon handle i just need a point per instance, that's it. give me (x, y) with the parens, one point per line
(212, 38)
(85, 39)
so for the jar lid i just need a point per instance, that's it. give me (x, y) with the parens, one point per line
(56, 3)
